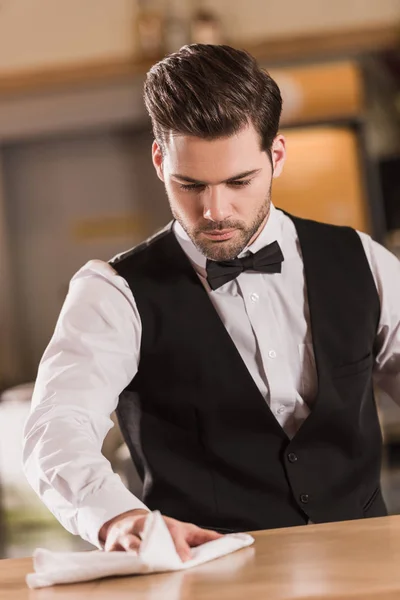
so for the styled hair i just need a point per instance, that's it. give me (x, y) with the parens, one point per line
(211, 91)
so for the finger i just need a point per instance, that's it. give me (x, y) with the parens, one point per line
(111, 543)
(196, 536)
(182, 547)
(138, 526)
(121, 542)
(114, 547)
(129, 542)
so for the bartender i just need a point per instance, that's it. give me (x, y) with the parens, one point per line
(240, 345)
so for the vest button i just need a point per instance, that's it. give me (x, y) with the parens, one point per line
(304, 498)
(292, 457)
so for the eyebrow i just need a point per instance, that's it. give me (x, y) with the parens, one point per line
(230, 179)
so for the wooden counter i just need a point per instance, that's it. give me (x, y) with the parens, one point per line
(348, 560)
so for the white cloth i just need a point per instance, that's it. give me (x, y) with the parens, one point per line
(156, 554)
(95, 352)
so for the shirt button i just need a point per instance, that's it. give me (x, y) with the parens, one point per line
(304, 498)
(292, 457)
(281, 410)
(254, 297)
(272, 354)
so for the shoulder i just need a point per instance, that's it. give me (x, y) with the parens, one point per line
(376, 252)
(97, 279)
(141, 251)
(288, 219)
(318, 233)
(385, 266)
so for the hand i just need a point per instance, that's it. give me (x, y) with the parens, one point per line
(122, 533)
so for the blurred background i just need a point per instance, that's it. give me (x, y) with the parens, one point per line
(76, 180)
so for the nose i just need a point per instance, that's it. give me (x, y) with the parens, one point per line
(216, 205)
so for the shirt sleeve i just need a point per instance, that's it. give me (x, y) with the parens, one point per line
(385, 268)
(91, 358)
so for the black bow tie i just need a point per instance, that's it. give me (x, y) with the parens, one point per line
(267, 260)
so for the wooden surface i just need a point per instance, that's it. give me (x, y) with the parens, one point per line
(290, 48)
(348, 560)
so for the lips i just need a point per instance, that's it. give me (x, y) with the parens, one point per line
(219, 235)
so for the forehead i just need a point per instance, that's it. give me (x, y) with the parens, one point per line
(219, 158)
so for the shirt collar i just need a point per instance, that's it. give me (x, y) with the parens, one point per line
(271, 232)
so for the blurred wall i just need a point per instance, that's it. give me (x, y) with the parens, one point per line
(9, 364)
(54, 185)
(70, 206)
(39, 33)
(260, 19)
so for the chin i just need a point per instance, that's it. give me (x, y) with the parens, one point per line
(220, 251)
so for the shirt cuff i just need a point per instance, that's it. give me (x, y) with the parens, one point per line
(103, 506)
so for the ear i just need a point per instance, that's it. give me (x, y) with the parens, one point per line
(157, 159)
(278, 152)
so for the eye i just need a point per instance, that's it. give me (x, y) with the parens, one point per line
(240, 183)
(187, 187)
(198, 187)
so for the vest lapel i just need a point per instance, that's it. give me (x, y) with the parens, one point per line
(212, 328)
(332, 330)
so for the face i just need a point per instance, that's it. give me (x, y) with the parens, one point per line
(219, 190)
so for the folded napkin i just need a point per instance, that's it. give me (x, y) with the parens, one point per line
(156, 554)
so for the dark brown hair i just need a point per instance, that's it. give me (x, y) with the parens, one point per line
(211, 91)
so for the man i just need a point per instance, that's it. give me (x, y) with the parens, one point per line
(239, 345)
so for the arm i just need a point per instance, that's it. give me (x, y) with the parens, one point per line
(385, 268)
(91, 358)
(93, 355)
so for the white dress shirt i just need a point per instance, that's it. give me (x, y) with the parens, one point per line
(95, 353)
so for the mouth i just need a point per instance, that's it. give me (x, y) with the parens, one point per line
(219, 236)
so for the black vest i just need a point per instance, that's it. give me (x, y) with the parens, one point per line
(199, 431)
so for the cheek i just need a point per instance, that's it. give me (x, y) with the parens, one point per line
(248, 201)
(187, 205)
